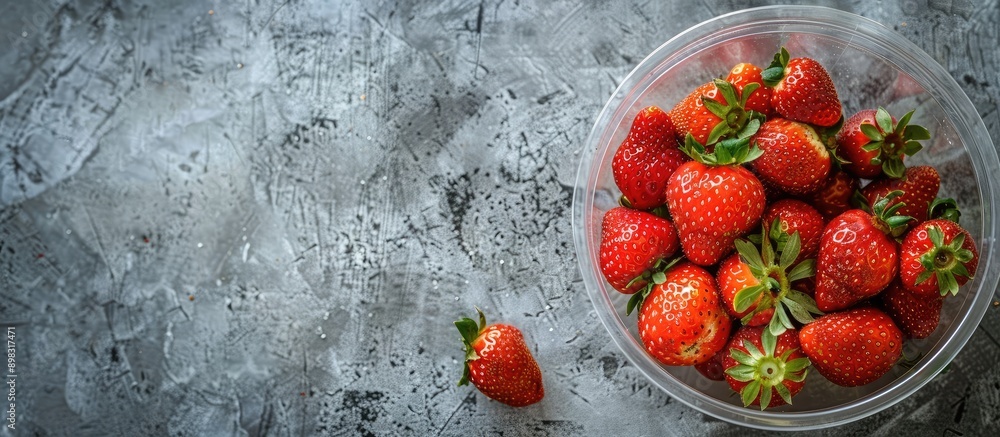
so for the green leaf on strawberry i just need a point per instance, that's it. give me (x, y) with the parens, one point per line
(774, 273)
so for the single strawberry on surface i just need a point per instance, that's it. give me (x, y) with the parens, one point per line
(765, 369)
(858, 255)
(853, 347)
(874, 143)
(681, 321)
(795, 157)
(917, 316)
(714, 200)
(714, 111)
(936, 258)
(919, 184)
(633, 243)
(499, 363)
(802, 90)
(646, 159)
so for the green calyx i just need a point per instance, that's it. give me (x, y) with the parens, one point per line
(736, 120)
(886, 215)
(944, 208)
(470, 332)
(653, 276)
(731, 151)
(774, 73)
(945, 261)
(775, 273)
(893, 141)
(764, 372)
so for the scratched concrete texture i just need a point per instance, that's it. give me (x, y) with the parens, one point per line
(260, 218)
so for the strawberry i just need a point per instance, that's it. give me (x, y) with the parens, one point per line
(834, 197)
(714, 111)
(765, 369)
(632, 244)
(498, 362)
(795, 156)
(802, 90)
(917, 316)
(681, 321)
(712, 369)
(759, 100)
(937, 257)
(858, 255)
(874, 143)
(853, 347)
(646, 158)
(756, 284)
(919, 184)
(787, 216)
(714, 199)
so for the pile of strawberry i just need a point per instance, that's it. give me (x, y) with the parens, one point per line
(761, 234)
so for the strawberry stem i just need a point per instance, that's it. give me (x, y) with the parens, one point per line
(470, 331)
(775, 277)
(764, 372)
(945, 261)
(892, 141)
(885, 216)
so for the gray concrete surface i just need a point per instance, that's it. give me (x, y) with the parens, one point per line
(260, 218)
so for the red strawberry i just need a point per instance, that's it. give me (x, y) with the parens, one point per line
(756, 284)
(498, 362)
(764, 369)
(733, 276)
(874, 143)
(759, 100)
(834, 197)
(714, 199)
(919, 185)
(632, 244)
(802, 90)
(795, 156)
(712, 369)
(712, 112)
(853, 347)
(937, 257)
(858, 255)
(681, 322)
(646, 158)
(795, 216)
(917, 316)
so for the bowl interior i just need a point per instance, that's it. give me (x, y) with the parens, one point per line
(870, 66)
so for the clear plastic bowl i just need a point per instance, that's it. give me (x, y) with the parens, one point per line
(870, 65)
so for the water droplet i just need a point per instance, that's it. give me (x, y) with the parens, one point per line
(501, 261)
(239, 65)
(200, 245)
(550, 329)
(24, 34)
(68, 232)
(369, 137)
(322, 336)
(548, 307)
(371, 314)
